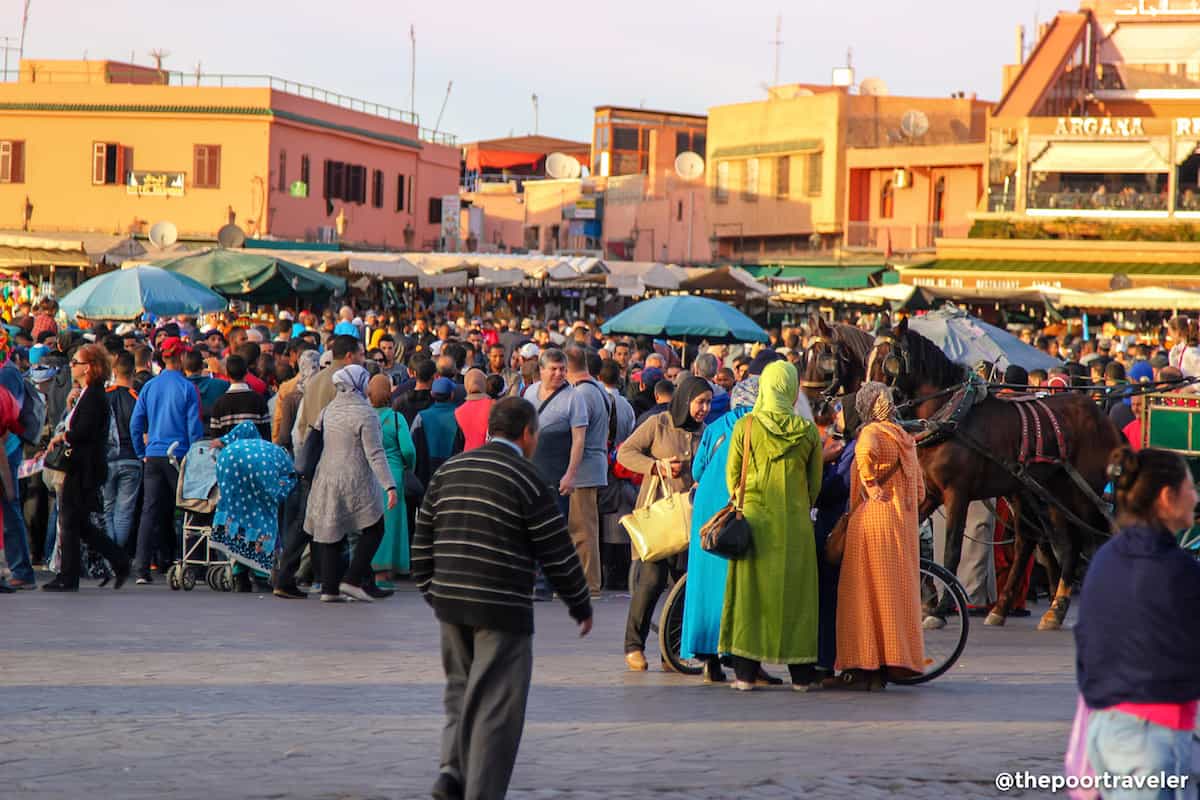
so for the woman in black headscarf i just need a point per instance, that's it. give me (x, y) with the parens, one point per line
(661, 449)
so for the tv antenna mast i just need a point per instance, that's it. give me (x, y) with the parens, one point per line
(437, 125)
(412, 85)
(535, 114)
(778, 42)
(158, 54)
(24, 25)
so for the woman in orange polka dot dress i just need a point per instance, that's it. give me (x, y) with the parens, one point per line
(879, 631)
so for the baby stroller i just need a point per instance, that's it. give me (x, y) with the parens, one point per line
(196, 496)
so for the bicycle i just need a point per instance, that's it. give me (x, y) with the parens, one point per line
(943, 645)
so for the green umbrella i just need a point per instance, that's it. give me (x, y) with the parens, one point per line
(255, 278)
(129, 293)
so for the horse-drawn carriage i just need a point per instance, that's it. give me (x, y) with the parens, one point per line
(1172, 422)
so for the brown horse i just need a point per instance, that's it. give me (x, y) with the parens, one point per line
(978, 458)
(835, 362)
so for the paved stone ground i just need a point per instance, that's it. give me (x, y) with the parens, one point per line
(148, 693)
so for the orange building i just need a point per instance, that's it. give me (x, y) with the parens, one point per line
(100, 146)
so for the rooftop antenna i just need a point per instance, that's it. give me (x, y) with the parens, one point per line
(158, 54)
(24, 25)
(437, 125)
(535, 114)
(412, 77)
(778, 42)
(199, 71)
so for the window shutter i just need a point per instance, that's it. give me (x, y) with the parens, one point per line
(6, 162)
(99, 159)
(199, 166)
(17, 173)
(214, 166)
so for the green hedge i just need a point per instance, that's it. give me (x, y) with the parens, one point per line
(1099, 230)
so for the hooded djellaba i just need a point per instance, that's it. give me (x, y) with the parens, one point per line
(770, 612)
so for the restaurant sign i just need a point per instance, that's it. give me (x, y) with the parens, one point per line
(1119, 127)
(155, 184)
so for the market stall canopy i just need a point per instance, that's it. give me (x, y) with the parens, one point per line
(444, 280)
(521, 151)
(126, 294)
(254, 277)
(723, 279)
(1146, 298)
(384, 265)
(499, 278)
(968, 340)
(800, 295)
(900, 296)
(686, 318)
(18, 252)
(827, 276)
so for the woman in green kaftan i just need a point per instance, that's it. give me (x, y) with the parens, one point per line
(770, 612)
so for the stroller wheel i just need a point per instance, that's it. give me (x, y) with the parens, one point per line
(173, 578)
(189, 579)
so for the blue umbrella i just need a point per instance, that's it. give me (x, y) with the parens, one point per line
(686, 318)
(128, 293)
(968, 341)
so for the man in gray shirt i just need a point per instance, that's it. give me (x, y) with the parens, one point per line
(590, 407)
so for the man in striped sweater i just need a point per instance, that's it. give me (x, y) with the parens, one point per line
(487, 520)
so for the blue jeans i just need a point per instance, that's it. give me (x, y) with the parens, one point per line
(120, 498)
(16, 538)
(1122, 744)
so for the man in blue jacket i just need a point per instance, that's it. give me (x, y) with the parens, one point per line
(167, 414)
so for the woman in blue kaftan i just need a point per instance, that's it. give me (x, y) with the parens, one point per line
(254, 477)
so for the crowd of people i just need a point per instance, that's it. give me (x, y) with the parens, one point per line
(357, 449)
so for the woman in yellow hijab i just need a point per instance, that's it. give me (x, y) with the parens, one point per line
(770, 612)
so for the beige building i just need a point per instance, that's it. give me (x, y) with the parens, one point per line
(811, 166)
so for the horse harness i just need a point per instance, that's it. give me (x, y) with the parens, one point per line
(946, 424)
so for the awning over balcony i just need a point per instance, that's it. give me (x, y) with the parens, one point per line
(1102, 157)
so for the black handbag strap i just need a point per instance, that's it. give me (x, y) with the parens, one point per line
(549, 399)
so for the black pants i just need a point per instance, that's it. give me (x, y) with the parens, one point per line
(156, 531)
(487, 687)
(747, 670)
(294, 537)
(75, 525)
(359, 573)
(649, 581)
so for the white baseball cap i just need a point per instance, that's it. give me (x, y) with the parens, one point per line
(530, 350)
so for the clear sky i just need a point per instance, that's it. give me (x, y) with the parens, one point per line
(659, 54)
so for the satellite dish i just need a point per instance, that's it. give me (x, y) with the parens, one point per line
(561, 165)
(914, 124)
(689, 165)
(874, 87)
(231, 236)
(164, 234)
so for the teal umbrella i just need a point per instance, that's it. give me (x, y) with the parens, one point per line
(686, 318)
(128, 293)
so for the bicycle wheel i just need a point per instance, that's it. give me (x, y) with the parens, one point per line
(943, 645)
(670, 632)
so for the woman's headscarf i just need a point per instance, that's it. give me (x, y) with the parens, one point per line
(874, 402)
(745, 392)
(681, 402)
(379, 391)
(308, 365)
(241, 432)
(352, 378)
(774, 409)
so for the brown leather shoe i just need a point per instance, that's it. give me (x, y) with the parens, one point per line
(636, 661)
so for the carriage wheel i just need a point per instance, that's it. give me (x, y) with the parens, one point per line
(210, 578)
(226, 578)
(670, 632)
(173, 577)
(189, 579)
(943, 646)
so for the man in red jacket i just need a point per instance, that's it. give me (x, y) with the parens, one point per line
(472, 415)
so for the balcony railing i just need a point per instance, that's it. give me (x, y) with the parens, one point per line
(900, 237)
(1128, 200)
(150, 76)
